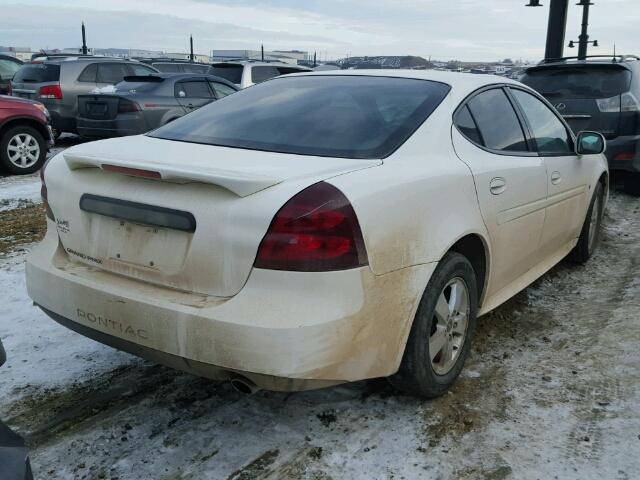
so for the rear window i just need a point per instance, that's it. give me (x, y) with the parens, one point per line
(585, 82)
(333, 116)
(232, 73)
(37, 73)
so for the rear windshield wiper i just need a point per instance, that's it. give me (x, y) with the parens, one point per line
(29, 80)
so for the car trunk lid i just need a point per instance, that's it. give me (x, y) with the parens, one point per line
(98, 107)
(187, 216)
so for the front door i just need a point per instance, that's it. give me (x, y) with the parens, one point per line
(511, 182)
(566, 172)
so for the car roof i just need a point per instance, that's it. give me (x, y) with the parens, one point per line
(620, 60)
(257, 63)
(88, 59)
(458, 81)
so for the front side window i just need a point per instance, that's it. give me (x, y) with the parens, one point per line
(332, 116)
(550, 134)
(112, 72)
(497, 121)
(260, 74)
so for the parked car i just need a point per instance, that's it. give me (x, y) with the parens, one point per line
(245, 73)
(142, 103)
(601, 93)
(319, 228)
(57, 82)
(8, 67)
(181, 67)
(25, 134)
(14, 454)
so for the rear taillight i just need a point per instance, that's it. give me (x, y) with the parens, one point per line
(629, 103)
(624, 156)
(609, 105)
(45, 194)
(51, 91)
(127, 106)
(316, 230)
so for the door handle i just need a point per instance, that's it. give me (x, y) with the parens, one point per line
(556, 178)
(497, 185)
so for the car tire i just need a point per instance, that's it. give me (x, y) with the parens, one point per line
(590, 234)
(421, 373)
(632, 183)
(22, 150)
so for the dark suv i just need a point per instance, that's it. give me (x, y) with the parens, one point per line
(57, 82)
(601, 94)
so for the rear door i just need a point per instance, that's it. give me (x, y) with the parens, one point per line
(511, 181)
(193, 93)
(587, 96)
(566, 172)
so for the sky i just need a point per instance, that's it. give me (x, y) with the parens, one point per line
(468, 30)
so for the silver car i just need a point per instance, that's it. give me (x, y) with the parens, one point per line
(57, 82)
(142, 103)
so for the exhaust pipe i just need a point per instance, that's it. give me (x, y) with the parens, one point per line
(243, 385)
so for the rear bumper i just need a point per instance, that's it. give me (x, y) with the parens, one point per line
(119, 127)
(283, 331)
(624, 145)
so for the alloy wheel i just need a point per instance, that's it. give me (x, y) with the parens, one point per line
(449, 326)
(23, 150)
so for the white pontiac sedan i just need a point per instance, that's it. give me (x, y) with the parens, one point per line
(319, 228)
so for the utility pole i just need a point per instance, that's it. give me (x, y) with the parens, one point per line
(191, 56)
(314, 60)
(262, 52)
(84, 41)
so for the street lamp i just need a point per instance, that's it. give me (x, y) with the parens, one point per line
(583, 39)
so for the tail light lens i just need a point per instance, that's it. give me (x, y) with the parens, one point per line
(609, 105)
(45, 194)
(51, 91)
(127, 106)
(317, 230)
(624, 156)
(629, 103)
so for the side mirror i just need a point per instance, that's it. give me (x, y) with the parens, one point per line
(590, 143)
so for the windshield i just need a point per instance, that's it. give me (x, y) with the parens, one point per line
(586, 82)
(232, 73)
(37, 73)
(333, 116)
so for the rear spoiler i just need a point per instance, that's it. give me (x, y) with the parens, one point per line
(240, 183)
(143, 78)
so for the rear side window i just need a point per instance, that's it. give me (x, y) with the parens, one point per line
(38, 73)
(232, 73)
(141, 69)
(194, 68)
(584, 82)
(8, 69)
(497, 121)
(112, 72)
(331, 116)
(262, 73)
(168, 67)
(196, 89)
(550, 134)
(467, 125)
(89, 74)
(221, 89)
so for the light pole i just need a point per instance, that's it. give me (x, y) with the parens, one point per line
(583, 39)
(557, 27)
(84, 41)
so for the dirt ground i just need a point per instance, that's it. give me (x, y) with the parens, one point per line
(551, 390)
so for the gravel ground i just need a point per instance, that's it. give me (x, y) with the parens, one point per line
(551, 390)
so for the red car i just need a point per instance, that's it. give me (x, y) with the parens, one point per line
(25, 135)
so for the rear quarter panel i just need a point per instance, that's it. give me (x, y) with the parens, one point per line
(416, 205)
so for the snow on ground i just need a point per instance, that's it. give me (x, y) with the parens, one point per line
(19, 190)
(552, 390)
